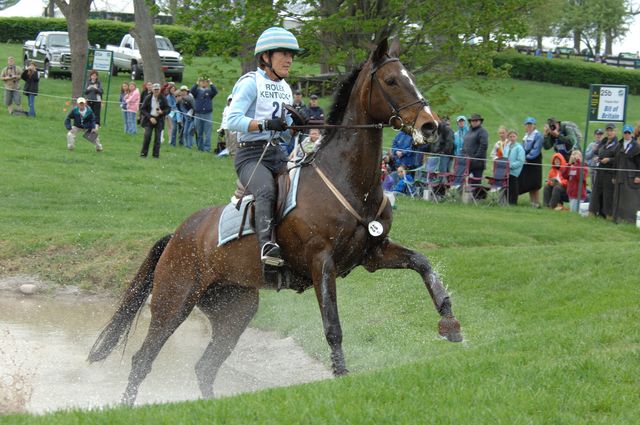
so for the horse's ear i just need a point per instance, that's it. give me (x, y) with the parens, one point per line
(381, 51)
(394, 50)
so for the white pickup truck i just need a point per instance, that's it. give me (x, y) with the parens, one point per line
(126, 57)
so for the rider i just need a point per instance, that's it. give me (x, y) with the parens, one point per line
(256, 113)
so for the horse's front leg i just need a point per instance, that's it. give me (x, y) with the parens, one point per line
(324, 281)
(389, 255)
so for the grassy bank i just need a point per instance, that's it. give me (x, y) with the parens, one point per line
(547, 300)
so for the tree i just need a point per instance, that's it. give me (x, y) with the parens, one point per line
(76, 13)
(5, 4)
(145, 36)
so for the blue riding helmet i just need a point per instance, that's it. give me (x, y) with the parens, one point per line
(276, 38)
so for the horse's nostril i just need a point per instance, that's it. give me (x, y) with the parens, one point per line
(429, 128)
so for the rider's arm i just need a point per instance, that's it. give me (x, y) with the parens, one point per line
(244, 98)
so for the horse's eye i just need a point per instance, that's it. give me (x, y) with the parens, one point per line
(390, 81)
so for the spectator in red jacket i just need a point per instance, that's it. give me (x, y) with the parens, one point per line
(578, 175)
(555, 191)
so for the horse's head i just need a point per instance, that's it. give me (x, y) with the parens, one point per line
(393, 96)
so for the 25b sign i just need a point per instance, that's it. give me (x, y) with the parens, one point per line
(607, 102)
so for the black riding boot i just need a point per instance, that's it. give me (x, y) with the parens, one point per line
(270, 253)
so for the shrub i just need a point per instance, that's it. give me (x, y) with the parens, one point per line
(566, 72)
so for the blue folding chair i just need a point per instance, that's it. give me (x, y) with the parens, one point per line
(499, 182)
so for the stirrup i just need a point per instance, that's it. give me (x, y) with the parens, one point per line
(271, 255)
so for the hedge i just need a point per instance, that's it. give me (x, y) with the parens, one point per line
(566, 72)
(102, 32)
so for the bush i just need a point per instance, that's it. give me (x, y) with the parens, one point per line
(566, 72)
(102, 32)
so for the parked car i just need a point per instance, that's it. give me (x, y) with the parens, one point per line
(564, 51)
(50, 51)
(627, 55)
(126, 57)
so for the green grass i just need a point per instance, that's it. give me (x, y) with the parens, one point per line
(548, 301)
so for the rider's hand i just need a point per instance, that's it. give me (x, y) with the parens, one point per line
(277, 124)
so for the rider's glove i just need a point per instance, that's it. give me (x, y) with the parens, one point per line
(277, 124)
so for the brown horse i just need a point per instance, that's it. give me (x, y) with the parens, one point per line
(340, 222)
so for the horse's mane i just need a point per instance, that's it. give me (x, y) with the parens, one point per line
(341, 98)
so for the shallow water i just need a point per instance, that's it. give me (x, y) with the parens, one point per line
(45, 342)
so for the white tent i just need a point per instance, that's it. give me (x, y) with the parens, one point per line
(32, 8)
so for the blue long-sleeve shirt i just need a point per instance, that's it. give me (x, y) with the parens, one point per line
(243, 110)
(203, 98)
(532, 144)
(514, 152)
(404, 143)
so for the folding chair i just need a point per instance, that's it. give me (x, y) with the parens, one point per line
(432, 179)
(499, 182)
(456, 181)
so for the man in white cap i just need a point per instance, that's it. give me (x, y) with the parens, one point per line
(82, 118)
(152, 113)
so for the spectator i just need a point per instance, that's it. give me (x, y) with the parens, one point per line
(402, 148)
(11, 78)
(186, 110)
(461, 130)
(223, 131)
(203, 93)
(298, 104)
(31, 78)
(563, 137)
(443, 147)
(514, 152)
(601, 203)
(475, 147)
(405, 182)
(174, 119)
(315, 114)
(555, 191)
(83, 120)
(124, 90)
(387, 180)
(626, 196)
(310, 144)
(388, 161)
(530, 179)
(93, 93)
(497, 151)
(590, 156)
(132, 99)
(152, 113)
(577, 175)
(147, 89)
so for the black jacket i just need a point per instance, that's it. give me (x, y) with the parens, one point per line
(145, 110)
(475, 145)
(31, 82)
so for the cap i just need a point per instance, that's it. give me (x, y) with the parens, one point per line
(298, 92)
(81, 100)
(610, 126)
(529, 120)
(476, 117)
(185, 88)
(598, 131)
(627, 129)
(313, 96)
(156, 86)
(461, 118)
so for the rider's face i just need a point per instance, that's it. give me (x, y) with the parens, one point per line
(281, 61)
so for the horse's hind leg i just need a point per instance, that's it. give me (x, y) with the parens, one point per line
(389, 255)
(230, 309)
(168, 311)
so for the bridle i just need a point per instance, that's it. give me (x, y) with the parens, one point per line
(395, 109)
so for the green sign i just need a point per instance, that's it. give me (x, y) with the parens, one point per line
(607, 102)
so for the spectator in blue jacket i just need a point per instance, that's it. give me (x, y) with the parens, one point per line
(405, 182)
(203, 93)
(530, 179)
(461, 130)
(514, 152)
(83, 120)
(403, 153)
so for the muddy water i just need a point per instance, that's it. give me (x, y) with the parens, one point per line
(44, 343)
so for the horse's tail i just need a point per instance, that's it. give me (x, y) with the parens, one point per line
(117, 329)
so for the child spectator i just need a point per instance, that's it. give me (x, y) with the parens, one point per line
(555, 191)
(124, 90)
(497, 151)
(132, 99)
(514, 152)
(405, 182)
(577, 175)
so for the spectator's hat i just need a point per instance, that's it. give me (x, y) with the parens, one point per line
(184, 88)
(610, 126)
(313, 96)
(529, 120)
(598, 131)
(474, 117)
(627, 129)
(81, 100)
(298, 92)
(461, 118)
(156, 86)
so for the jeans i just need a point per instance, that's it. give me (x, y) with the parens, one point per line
(32, 105)
(187, 132)
(130, 123)
(203, 127)
(175, 132)
(574, 204)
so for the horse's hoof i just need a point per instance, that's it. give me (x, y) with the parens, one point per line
(449, 328)
(340, 372)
